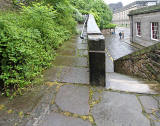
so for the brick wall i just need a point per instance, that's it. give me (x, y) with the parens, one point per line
(144, 63)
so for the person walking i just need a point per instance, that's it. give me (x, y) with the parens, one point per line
(120, 35)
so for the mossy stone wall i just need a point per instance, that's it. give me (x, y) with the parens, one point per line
(144, 63)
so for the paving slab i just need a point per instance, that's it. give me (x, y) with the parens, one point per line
(157, 114)
(79, 40)
(52, 74)
(67, 52)
(82, 46)
(74, 75)
(156, 123)
(55, 119)
(158, 99)
(8, 119)
(73, 99)
(152, 117)
(71, 61)
(118, 109)
(82, 52)
(24, 108)
(149, 103)
(70, 44)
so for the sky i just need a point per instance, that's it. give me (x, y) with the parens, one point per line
(125, 2)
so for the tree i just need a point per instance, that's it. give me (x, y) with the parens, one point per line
(98, 8)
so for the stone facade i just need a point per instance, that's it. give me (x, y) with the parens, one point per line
(145, 18)
(144, 63)
(120, 16)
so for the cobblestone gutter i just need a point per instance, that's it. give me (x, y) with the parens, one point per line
(144, 63)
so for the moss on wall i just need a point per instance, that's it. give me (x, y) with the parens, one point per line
(144, 63)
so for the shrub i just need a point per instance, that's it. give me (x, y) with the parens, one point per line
(28, 40)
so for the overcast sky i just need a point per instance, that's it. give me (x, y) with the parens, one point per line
(125, 2)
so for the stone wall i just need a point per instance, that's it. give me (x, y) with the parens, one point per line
(145, 19)
(144, 63)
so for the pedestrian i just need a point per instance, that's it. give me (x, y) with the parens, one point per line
(120, 35)
(123, 35)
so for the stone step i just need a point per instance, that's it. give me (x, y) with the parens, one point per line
(120, 82)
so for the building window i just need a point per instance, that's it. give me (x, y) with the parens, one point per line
(154, 30)
(139, 28)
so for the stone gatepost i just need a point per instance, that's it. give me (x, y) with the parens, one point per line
(96, 45)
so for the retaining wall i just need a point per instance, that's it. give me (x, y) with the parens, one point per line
(144, 63)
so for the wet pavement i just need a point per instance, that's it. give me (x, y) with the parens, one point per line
(117, 48)
(78, 103)
(117, 109)
(67, 99)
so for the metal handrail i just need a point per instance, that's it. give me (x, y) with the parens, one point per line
(82, 36)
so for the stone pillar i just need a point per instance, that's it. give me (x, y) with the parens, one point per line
(96, 45)
(96, 59)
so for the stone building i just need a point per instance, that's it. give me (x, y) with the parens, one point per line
(145, 25)
(115, 6)
(120, 16)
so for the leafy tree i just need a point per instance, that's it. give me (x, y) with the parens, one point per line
(98, 8)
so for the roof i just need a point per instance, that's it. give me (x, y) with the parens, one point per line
(145, 10)
(135, 3)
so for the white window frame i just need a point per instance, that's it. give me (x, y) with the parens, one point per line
(137, 29)
(152, 32)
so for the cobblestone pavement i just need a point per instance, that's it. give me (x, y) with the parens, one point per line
(70, 101)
